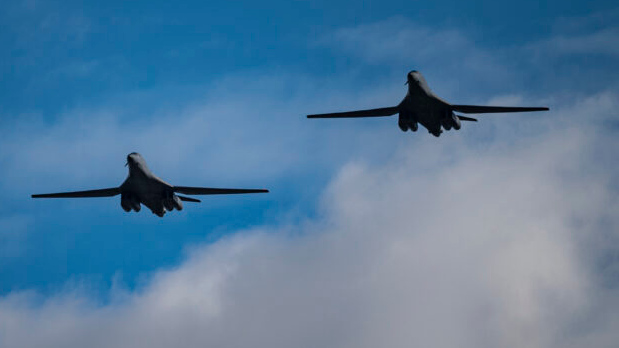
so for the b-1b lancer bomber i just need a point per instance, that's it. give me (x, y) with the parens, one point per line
(422, 106)
(143, 187)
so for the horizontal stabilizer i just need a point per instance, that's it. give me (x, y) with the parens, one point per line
(380, 112)
(214, 191)
(476, 109)
(188, 199)
(108, 192)
(464, 118)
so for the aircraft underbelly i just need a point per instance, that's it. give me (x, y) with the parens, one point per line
(428, 121)
(428, 117)
(154, 204)
(426, 113)
(149, 192)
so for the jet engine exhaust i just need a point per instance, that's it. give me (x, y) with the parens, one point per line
(407, 121)
(403, 126)
(126, 207)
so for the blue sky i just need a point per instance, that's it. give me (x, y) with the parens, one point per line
(215, 93)
(59, 55)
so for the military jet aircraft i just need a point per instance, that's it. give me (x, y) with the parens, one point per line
(143, 187)
(422, 106)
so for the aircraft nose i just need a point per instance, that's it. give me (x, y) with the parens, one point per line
(410, 77)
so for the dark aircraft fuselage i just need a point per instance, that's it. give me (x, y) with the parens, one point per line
(422, 106)
(142, 186)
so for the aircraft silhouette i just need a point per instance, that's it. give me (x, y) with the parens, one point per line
(143, 187)
(422, 106)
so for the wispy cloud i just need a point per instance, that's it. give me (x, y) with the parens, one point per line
(34, 23)
(408, 45)
(451, 54)
(492, 248)
(604, 41)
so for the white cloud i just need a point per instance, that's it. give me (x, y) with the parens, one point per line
(442, 52)
(562, 59)
(445, 245)
(595, 33)
(603, 41)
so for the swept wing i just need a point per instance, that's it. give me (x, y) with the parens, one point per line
(214, 191)
(477, 109)
(107, 192)
(380, 112)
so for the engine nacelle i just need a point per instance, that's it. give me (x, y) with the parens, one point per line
(128, 203)
(124, 203)
(171, 201)
(450, 121)
(403, 120)
(456, 121)
(177, 203)
(407, 121)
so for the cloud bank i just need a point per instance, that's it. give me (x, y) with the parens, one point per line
(446, 245)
